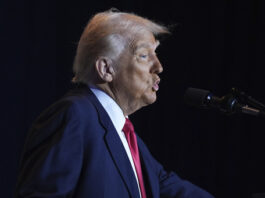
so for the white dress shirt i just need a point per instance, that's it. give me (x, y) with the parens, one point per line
(118, 119)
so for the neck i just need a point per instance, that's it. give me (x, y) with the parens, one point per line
(124, 104)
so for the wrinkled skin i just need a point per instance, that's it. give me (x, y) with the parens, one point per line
(136, 78)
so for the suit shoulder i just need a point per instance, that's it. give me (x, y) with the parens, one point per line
(72, 113)
(70, 103)
(71, 108)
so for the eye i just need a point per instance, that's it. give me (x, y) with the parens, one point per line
(143, 56)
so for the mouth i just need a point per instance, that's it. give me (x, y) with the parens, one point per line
(155, 85)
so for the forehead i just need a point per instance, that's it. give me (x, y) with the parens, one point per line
(145, 41)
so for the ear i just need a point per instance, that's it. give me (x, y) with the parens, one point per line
(104, 68)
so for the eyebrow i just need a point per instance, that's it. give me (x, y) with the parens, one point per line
(147, 45)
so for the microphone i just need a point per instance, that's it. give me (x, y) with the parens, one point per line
(228, 104)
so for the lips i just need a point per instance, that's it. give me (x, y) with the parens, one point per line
(156, 86)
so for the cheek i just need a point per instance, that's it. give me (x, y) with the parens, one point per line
(143, 80)
(141, 74)
(139, 78)
(143, 86)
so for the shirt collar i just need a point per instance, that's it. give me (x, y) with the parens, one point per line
(111, 107)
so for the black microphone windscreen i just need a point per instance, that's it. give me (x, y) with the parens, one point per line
(196, 97)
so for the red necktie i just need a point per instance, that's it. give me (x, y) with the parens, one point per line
(132, 142)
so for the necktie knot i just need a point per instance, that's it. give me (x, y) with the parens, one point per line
(128, 127)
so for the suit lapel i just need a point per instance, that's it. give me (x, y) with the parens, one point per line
(122, 162)
(116, 148)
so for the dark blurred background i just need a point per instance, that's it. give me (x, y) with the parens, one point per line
(215, 45)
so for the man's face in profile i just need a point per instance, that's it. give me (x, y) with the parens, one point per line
(138, 69)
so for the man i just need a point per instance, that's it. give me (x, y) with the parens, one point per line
(84, 145)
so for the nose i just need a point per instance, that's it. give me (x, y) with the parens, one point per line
(157, 67)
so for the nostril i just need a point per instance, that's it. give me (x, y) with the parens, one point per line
(156, 66)
(159, 68)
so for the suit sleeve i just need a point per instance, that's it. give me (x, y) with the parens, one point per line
(52, 158)
(170, 184)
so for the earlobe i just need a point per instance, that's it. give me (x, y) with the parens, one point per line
(104, 69)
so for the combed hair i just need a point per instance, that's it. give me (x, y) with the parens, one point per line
(107, 34)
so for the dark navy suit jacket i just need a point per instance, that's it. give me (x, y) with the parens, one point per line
(73, 150)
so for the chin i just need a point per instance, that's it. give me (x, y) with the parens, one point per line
(151, 99)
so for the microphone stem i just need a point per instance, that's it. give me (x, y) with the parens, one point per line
(252, 111)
